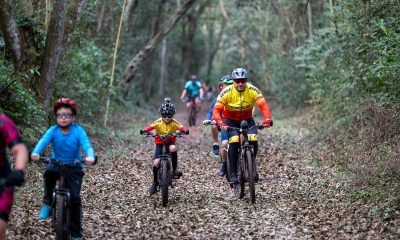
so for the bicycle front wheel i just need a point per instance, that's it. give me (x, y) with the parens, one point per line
(164, 182)
(250, 175)
(192, 116)
(61, 218)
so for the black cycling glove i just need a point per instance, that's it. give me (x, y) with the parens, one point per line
(15, 178)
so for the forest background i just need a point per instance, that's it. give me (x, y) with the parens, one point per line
(333, 65)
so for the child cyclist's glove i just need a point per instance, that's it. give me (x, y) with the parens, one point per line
(186, 131)
(144, 132)
(267, 123)
(15, 178)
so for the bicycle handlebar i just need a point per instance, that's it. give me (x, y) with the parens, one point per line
(76, 162)
(230, 129)
(240, 129)
(151, 134)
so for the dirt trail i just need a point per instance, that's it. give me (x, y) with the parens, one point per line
(295, 200)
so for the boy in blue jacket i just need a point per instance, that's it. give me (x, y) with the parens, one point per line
(66, 139)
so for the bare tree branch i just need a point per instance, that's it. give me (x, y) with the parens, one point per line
(143, 54)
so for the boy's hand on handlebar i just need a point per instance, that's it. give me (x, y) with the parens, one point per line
(35, 157)
(16, 178)
(90, 160)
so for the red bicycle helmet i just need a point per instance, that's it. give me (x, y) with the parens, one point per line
(65, 102)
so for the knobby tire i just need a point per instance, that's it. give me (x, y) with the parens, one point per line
(60, 222)
(250, 175)
(164, 183)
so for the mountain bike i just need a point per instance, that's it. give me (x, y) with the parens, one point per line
(61, 205)
(165, 175)
(246, 162)
(228, 170)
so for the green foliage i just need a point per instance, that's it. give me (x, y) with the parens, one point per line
(20, 105)
(83, 76)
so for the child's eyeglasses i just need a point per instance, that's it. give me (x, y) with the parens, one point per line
(64, 115)
(166, 115)
(240, 80)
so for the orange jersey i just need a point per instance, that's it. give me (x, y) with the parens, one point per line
(162, 127)
(238, 106)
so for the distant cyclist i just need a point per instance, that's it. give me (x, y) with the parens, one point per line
(193, 91)
(10, 136)
(225, 81)
(234, 104)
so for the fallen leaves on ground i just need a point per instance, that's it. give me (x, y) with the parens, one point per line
(294, 199)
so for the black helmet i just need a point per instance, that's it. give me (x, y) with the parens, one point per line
(167, 109)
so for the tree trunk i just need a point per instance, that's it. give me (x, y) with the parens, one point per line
(163, 66)
(242, 41)
(189, 58)
(100, 17)
(144, 53)
(49, 9)
(147, 83)
(10, 33)
(130, 11)
(75, 11)
(61, 28)
(52, 53)
(213, 51)
(309, 15)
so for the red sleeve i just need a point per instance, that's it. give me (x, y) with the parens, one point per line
(149, 128)
(217, 111)
(262, 104)
(9, 131)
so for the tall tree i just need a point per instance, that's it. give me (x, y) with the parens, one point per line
(61, 28)
(149, 48)
(10, 32)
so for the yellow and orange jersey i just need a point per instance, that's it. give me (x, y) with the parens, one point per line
(238, 106)
(162, 127)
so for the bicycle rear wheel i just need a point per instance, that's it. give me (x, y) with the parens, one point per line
(164, 182)
(250, 175)
(61, 218)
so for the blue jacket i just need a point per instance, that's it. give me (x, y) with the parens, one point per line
(66, 147)
(210, 110)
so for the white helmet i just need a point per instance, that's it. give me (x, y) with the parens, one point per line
(239, 73)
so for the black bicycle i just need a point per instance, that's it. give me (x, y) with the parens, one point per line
(165, 175)
(246, 162)
(61, 205)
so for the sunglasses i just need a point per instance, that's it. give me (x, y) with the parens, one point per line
(166, 115)
(240, 80)
(64, 115)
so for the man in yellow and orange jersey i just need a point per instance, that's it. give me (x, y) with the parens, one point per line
(234, 104)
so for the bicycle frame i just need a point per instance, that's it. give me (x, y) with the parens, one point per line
(61, 204)
(246, 162)
(165, 179)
